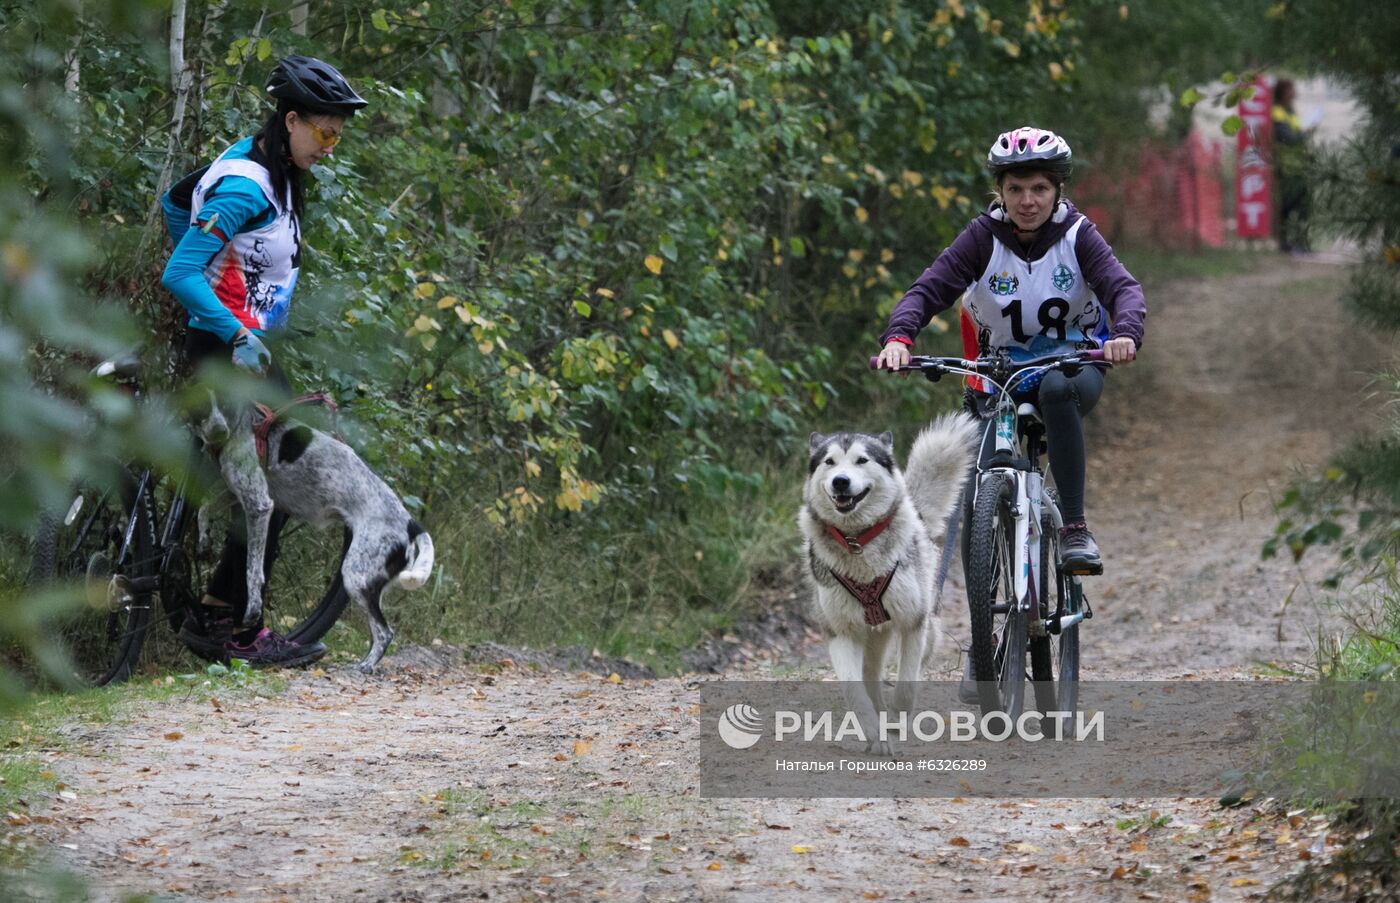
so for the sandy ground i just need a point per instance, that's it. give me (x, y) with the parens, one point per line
(449, 783)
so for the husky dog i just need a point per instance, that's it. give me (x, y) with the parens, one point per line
(317, 479)
(869, 535)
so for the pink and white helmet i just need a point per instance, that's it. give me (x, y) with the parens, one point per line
(1030, 148)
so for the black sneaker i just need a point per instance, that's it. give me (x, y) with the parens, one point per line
(206, 635)
(1079, 554)
(271, 649)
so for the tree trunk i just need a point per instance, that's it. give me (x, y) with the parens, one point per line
(180, 80)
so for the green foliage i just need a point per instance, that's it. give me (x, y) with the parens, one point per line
(1357, 503)
(576, 262)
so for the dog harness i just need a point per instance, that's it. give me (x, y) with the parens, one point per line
(269, 416)
(870, 595)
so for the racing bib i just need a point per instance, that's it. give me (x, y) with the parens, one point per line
(1034, 308)
(255, 273)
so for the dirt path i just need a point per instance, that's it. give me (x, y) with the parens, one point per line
(453, 784)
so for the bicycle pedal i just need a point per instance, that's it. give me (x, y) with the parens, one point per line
(1085, 570)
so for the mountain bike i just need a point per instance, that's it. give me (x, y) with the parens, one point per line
(133, 548)
(1022, 604)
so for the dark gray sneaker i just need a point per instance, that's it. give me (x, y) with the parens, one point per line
(1079, 554)
(269, 649)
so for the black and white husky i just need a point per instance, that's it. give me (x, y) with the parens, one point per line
(872, 536)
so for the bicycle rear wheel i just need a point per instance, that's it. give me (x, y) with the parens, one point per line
(82, 547)
(999, 646)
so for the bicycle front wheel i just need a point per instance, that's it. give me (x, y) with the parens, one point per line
(999, 645)
(305, 595)
(1055, 659)
(85, 547)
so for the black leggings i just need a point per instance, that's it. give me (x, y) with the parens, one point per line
(1063, 401)
(229, 583)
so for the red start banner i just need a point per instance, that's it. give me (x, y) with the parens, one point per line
(1253, 178)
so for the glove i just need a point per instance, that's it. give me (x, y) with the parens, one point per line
(249, 353)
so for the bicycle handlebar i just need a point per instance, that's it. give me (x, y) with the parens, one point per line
(991, 366)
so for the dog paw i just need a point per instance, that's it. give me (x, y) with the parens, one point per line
(850, 745)
(885, 748)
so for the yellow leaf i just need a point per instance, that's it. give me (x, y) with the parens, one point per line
(604, 292)
(654, 264)
(614, 678)
(849, 270)
(582, 220)
(862, 214)
(886, 255)
(295, 747)
(911, 178)
(670, 338)
(582, 747)
(484, 347)
(1243, 882)
(856, 254)
(801, 850)
(447, 301)
(425, 290)
(714, 867)
(1057, 71)
(1013, 49)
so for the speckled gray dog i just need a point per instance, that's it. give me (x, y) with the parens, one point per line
(318, 479)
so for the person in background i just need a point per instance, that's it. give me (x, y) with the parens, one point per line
(1290, 170)
(236, 226)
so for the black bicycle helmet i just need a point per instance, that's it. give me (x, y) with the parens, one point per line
(315, 86)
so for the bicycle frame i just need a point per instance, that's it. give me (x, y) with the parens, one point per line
(1032, 498)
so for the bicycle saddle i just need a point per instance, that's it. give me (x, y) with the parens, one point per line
(126, 365)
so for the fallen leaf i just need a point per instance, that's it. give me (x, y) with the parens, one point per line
(960, 841)
(581, 747)
(1243, 882)
(801, 850)
(614, 678)
(174, 735)
(714, 867)
(654, 264)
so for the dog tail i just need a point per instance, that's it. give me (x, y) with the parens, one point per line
(420, 558)
(938, 466)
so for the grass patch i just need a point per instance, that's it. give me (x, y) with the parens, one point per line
(1152, 267)
(642, 585)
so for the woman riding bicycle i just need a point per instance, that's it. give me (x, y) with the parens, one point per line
(236, 226)
(1039, 279)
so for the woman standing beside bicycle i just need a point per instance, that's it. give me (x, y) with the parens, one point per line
(236, 226)
(1039, 279)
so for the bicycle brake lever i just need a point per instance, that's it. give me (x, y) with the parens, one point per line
(933, 373)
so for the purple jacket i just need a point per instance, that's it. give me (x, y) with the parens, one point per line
(962, 263)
